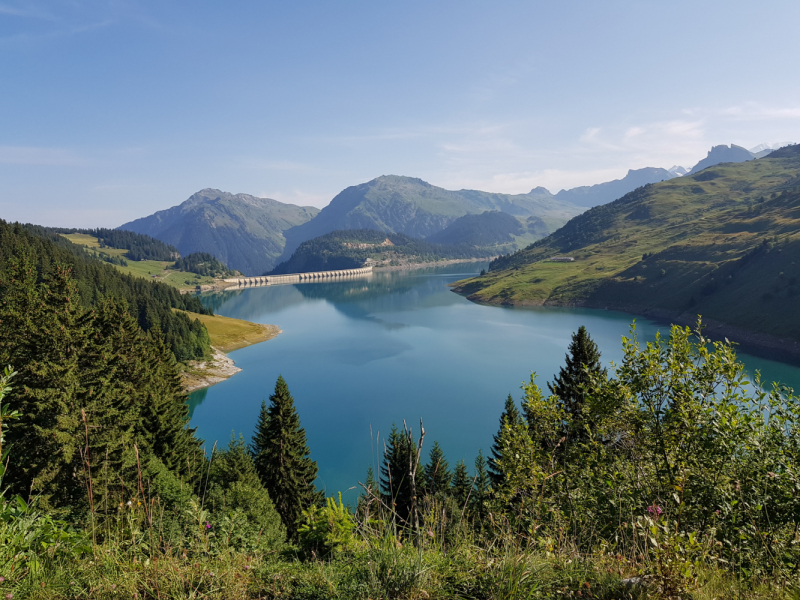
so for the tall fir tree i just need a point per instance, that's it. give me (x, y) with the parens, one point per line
(511, 416)
(437, 472)
(283, 459)
(574, 380)
(42, 337)
(395, 477)
(461, 487)
(480, 495)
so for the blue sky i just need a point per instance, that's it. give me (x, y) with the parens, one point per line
(113, 109)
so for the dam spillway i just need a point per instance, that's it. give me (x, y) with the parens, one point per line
(313, 277)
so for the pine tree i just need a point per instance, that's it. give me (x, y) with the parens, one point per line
(480, 494)
(42, 337)
(366, 500)
(437, 472)
(510, 416)
(462, 484)
(395, 480)
(573, 382)
(282, 458)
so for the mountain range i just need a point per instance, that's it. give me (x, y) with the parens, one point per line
(242, 231)
(723, 243)
(253, 234)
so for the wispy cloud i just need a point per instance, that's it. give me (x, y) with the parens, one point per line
(756, 111)
(53, 157)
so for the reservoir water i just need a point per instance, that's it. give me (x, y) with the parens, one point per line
(362, 354)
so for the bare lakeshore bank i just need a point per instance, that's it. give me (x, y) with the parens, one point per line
(226, 335)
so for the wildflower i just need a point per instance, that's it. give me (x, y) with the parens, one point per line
(9, 596)
(430, 533)
(2, 579)
(655, 511)
(247, 567)
(208, 525)
(129, 503)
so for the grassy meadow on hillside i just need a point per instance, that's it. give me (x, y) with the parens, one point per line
(157, 270)
(724, 243)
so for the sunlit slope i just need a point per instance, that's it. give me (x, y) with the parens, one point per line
(724, 243)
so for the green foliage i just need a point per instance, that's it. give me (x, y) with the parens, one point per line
(138, 245)
(203, 263)
(437, 472)
(680, 247)
(282, 458)
(91, 388)
(462, 484)
(45, 254)
(395, 478)
(678, 432)
(573, 383)
(510, 418)
(327, 529)
(350, 249)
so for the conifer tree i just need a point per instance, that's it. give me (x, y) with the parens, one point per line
(572, 384)
(282, 458)
(511, 416)
(42, 336)
(480, 494)
(462, 484)
(437, 472)
(395, 480)
(366, 500)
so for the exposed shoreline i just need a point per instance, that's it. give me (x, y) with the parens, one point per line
(760, 344)
(202, 374)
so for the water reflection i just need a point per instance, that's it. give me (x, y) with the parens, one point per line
(359, 355)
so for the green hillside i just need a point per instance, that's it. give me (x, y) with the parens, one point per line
(242, 231)
(352, 248)
(723, 243)
(416, 208)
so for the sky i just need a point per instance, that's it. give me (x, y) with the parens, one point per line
(113, 109)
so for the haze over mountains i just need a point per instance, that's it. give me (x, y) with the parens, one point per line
(253, 234)
(242, 231)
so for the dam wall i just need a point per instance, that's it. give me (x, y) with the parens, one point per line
(297, 277)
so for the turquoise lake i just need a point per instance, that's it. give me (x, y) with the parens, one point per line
(362, 354)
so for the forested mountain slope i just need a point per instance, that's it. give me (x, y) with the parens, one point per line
(416, 208)
(242, 231)
(351, 248)
(723, 243)
(149, 303)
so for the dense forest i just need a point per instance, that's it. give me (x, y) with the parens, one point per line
(486, 229)
(350, 249)
(151, 304)
(670, 476)
(138, 245)
(204, 264)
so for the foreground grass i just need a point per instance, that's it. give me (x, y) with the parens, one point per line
(376, 570)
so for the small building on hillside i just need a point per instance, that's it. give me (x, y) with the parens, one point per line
(562, 259)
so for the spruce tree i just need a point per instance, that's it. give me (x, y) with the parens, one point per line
(462, 484)
(510, 416)
(480, 495)
(437, 472)
(282, 458)
(395, 479)
(573, 382)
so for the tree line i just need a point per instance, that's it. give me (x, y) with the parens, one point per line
(150, 303)
(350, 249)
(138, 245)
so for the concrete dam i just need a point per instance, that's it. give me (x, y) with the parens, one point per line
(317, 276)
